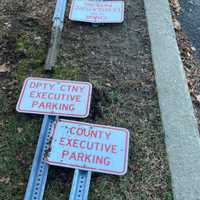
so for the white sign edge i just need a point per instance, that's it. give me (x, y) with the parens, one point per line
(53, 114)
(88, 21)
(90, 169)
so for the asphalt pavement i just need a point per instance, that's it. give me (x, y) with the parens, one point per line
(190, 21)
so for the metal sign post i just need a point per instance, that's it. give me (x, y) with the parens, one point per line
(39, 171)
(53, 97)
(58, 21)
(72, 99)
(90, 147)
(80, 185)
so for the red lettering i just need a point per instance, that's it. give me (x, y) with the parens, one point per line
(50, 96)
(71, 107)
(33, 85)
(64, 153)
(78, 98)
(34, 103)
(38, 95)
(44, 95)
(62, 88)
(87, 158)
(79, 131)
(42, 105)
(69, 142)
(51, 86)
(114, 149)
(81, 144)
(62, 141)
(54, 106)
(72, 130)
(75, 143)
(80, 156)
(107, 161)
(107, 135)
(73, 156)
(65, 107)
(32, 94)
(99, 159)
(107, 147)
(87, 145)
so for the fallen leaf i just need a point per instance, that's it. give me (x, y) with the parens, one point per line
(176, 6)
(198, 98)
(5, 180)
(4, 68)
(19, 130)
(188, 54)
(177, 25)
(193, 48)
(21, 184)
(108, 84)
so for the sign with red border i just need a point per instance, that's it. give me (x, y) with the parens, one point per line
(55, 97)
(89, 147)
(97, 11)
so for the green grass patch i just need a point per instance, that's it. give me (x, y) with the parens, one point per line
(33, 57)
(19, 132)
(17, 143)
(66, 72)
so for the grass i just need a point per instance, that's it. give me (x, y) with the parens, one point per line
(33, 57)
(148, 174)
(18, 140)
(19, 132)
(146, 171)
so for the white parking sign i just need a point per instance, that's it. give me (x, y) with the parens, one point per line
(97, 11)
(55, 97)
(90, 147)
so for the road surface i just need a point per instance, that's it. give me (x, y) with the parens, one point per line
(190, 21)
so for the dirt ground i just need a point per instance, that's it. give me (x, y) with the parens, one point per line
(116, 59)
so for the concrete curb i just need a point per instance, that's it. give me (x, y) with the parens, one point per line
(181, 131)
